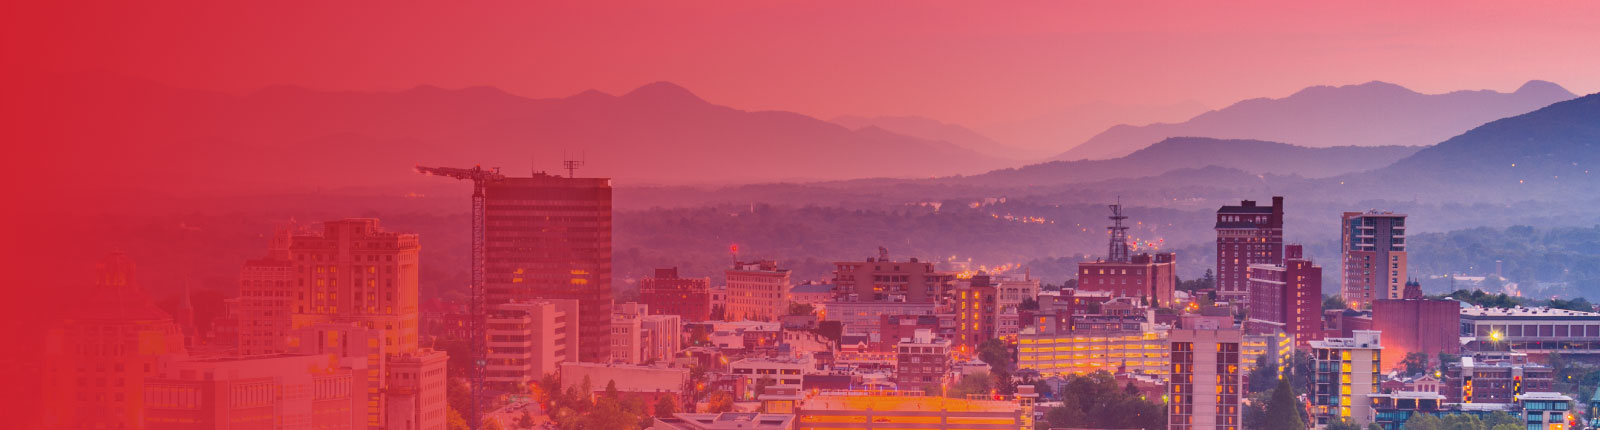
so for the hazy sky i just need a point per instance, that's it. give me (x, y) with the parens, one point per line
(967, 62)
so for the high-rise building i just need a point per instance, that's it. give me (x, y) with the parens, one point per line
(97, 359)
(1373, 251)
(529, 340)
(757, 291)
(266, 286)
(884, 280)
(1246, 234)
(357, 272)
(667, 294)
(975, 312)
(549, 237)
(1207, 379)
(1289, 294)
(1344, 372)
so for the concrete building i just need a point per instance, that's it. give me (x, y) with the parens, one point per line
(863, 318)
(1548, 411)
(1289, 294)
(725, 421)
(97, 358)
(922, 361)
(638, 337)
(415, 396)
(1373, 248)
(1345, 373)
(1246, 234)
(757, 291)
(883, 280)
(354, 271)
(1534, 331)
(549, 237)
(1086, 351)
(1144, 277)
(1417, 325)
(811, 294)
(529, 340)
(1474, 380)
(1207, 379)
(266, 288)
(901, 409)
(262, 392)
(975, 311)
(357, 347)
(647, 383)
(667, 294)
(754, 372)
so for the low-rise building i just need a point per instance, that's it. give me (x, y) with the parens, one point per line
(922, 361)
(1344, 373)
(1473, 380)
(246, 393)
(648, 383)
(1534, 331)
(902, 409)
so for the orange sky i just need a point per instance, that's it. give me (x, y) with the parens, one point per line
(968, 62)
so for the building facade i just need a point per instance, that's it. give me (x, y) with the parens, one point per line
(1373, 248)
(1246, 234)
(1145, 277)
(262, 392)
(1534, 331)
(354, 271)
(922, 362)
(1344, 374)
(549, 237)
(529, 340)
(1086, 351)
(667, 294)
(884, 280)
(1474, 380)
(1207, 379)
(757, 291)
(1417, 325)
(1289, 294)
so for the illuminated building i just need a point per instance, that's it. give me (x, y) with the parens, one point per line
(549, 237)
(1246, 234)
(922, 361)
(529, 340)
(1373, 251)
(903, 409)
(974, 310)
(1534, 331)
(1474, 380)
(1548, 411)
(1344, 373)
(884, 280)
(1278, 348)
(667, 294)
(757, 291)
(97, 359)
(1086, 351)
(1144, 277)
(1289, 294)
(262, 392)
(1417, 325)
(1207, 379)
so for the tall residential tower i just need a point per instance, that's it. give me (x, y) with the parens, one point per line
(1247, 234)
(1373, 247)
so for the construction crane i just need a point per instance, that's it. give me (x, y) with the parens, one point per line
(479, 177)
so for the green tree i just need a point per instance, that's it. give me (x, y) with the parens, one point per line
(1263, 376)
(609, 414)
(1333, 302)
(973, 383)
(1283, 411)
(453, 420)
(997, 354)
(1342, 425)
(665, 407)
(802, 309)
(525, 421)
(1416, 363)
(719, 401)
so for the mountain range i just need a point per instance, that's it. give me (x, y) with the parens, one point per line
(1370, 114)
(1250, 156)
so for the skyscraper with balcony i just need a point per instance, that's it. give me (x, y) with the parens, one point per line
(549, 237)
(1207, 379)
(1373, 248)
(1246, 234)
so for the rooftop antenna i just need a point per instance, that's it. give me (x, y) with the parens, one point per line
(572, 165)
(1118, 251)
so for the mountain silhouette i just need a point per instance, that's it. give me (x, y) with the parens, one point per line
(1249, 156)
(932, 129)
(1370, 114)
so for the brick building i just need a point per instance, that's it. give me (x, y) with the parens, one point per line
(1246, 234)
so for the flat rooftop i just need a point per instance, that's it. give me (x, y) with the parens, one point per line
(1525, 313)
(862, 402)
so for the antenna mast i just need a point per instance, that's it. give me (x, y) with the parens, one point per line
(1118, 248)
(572, 165)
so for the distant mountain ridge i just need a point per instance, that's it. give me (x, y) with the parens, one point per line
(1251, 156)
(935, 130)
(1371, 114)
(657, 133)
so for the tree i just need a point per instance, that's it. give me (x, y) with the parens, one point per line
(973, 383)
(459, 395)
(719, 401)
(492, 424)
(665, 407)
(453, 420)
(1283, 411)
(1263, 376)
(802, 309)
(609, 414)
(1342, 425)
(1416, 363)
(997, 354)
(525, 421)
(611, 390)
(1333, 302)
(1028, 304)
(1446, 358)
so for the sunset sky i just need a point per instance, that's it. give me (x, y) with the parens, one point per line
(968, 62)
